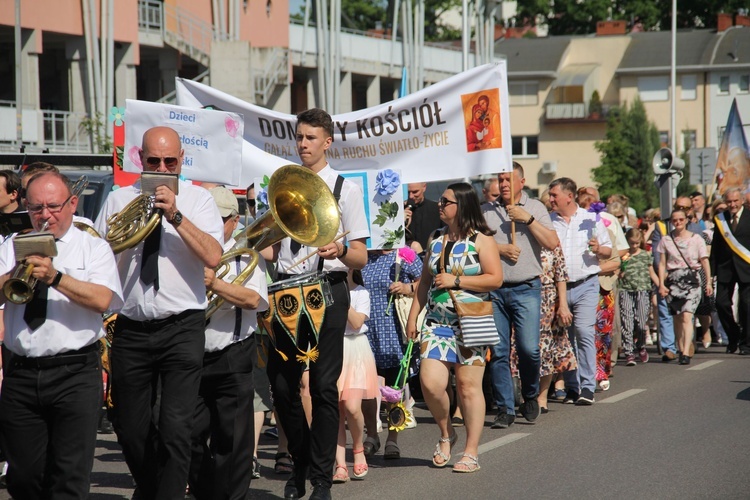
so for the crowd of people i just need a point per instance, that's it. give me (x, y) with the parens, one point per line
(546, 294)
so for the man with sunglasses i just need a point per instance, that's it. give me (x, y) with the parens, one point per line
(666, 322)
(52, 387)
(159, 335)
(519, 300)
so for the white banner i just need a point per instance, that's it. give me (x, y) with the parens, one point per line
(459, 127)
(212, 140)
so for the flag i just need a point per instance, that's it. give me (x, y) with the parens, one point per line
(404, 86)
(733, 162)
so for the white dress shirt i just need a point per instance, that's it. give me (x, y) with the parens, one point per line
(180, 270)
(351, 203)
(574, 238)
(69, 326)
(220, 331)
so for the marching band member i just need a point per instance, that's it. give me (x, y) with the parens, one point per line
(52, 390)
(314, 447)
(222, 456)
(160, 333)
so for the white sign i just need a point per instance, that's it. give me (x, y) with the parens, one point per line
(459, 127)
(212, 140)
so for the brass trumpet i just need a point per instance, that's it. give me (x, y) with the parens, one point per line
(19, 288)
(301, 207)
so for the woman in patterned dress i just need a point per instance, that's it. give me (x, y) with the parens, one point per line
(384, 333)
(462, 257)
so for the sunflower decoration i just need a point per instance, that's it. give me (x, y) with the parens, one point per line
(398, 417)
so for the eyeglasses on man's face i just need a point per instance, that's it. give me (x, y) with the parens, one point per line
(443, 202)
(169, 161)
(53, 208)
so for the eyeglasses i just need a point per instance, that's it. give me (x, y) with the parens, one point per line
(683, 207)
(679, 220)
(443, 201)
(53, 208)
(169, 161)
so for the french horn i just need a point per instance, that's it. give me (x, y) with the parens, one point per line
(132, 224)
(301, 206)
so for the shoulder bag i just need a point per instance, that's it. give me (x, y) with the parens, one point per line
(475, 319)
(691, 278)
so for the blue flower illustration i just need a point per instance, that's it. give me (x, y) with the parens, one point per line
(116, 115)
(262, 197)
(387, 182)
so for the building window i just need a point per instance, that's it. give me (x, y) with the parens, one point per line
(688, 140)
(523, 93)
(525, 146)
(689, 84)
(744, 87)
(664, 138)
(653, 88)
(724, 85)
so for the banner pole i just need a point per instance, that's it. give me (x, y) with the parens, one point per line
(512, 202)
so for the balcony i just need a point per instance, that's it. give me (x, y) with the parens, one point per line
(573, 112)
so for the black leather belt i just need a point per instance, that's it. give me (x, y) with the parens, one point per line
(519, 283)
(82, 355)
(573, 284)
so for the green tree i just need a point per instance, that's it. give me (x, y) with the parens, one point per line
(626, 153)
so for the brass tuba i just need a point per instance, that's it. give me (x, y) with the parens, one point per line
(78, 188)
(302, 207)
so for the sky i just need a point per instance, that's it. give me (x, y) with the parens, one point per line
(295, 5)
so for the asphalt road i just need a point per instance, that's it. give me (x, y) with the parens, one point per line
(662, 431)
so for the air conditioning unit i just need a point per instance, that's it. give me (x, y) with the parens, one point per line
(549, 167)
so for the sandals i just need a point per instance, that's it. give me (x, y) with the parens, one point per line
(360, 470)
(256, 468)
(439, 452)
(371, 445)
(469, 463)
(284, 463)
(392, 451)
(341, 477)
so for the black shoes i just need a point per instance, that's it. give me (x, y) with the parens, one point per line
(503, 420)
(731, 348)
(529, 409)
(684, 360)
(295, 486)
(571, 397)
(586, 398)
(321, 492)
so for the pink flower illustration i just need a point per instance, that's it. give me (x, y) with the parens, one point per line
(134, 154)
(232, 126)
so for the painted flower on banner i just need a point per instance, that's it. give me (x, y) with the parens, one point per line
(387, 182)
(134, 153)
(117, 116)
(261, 198)
(232, 126)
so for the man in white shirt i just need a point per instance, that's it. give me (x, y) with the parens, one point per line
(52, 389)
(314, 447)
(222, 456)
(584, 242)
(160, 333)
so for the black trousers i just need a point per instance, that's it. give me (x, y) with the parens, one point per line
(222, 449)
(168, 352)
(313, 446)
(48, 423)
(737, 334)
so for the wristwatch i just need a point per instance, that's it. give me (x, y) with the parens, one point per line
(457, 282)
(176, 219)
(56, 279)
(531, 219)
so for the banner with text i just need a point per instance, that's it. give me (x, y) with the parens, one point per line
(459, 127)
(212, 140)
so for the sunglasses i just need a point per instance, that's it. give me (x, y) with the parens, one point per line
(169, 161)
(683, 207)
(443, 201)
(53, 208)
(251, 202)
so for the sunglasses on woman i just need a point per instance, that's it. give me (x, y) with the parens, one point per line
(443, 201)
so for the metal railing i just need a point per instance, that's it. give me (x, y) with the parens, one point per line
(170, 97)
(64, 131)
(273, 73)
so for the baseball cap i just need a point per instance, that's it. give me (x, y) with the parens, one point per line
(225, 200)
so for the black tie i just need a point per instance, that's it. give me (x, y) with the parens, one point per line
(733, 224)
(36, 310)
(295, 247)
(150, 260)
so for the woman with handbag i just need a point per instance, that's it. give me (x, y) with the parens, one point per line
(461, 267)
(679, 280)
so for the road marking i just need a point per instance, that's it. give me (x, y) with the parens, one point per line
(622, 395)
(496, 443)
(707, 364)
